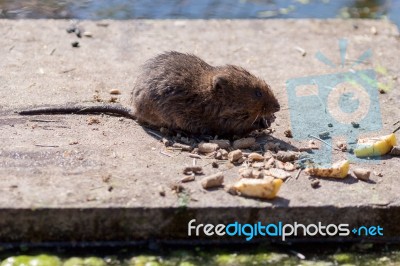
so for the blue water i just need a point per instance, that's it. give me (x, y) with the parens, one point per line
(201, 9)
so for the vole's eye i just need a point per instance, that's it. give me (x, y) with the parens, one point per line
(258, 94)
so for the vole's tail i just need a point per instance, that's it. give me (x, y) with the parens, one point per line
(95, 109)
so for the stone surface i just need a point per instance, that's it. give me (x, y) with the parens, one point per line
(63, 178)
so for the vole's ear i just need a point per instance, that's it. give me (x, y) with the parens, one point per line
(219, 82)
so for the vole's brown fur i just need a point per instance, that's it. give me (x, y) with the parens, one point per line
(181, 91)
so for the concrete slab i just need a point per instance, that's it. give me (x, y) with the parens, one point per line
(62, 179)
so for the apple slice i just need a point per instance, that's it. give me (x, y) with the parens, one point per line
(368, 147)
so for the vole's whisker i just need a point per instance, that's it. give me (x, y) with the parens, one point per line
(255, 119)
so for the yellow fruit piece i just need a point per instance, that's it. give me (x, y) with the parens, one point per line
(369, 147)
(258, 188)
(338, 170)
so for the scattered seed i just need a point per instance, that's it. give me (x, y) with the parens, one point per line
(312, 145)
(78, 33)
(378, 174)
(355, 124)
(341, 146)
(315, 183)
(115, 91)
(177, 187)
(166, 142)
(166, 154)
(188, 178)
(301, 50)
(183, 147)
(71, 29)
(324, 135)
(196, 156)
(298, 174)
(75, 44)
(161, 191)
(215, 180)
(198, 170)
(87, 34)
(113, 100)
(288, 133)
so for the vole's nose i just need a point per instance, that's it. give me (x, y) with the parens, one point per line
(277, 107)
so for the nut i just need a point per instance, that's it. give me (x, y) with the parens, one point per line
(235, 155)
(207, 147)
(362, 174)
(255, 157)
(279, 173)
(244, 143)
(193, 169)
(222, 143)
(215, 180)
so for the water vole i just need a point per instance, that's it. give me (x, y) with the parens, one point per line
(182, 92)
